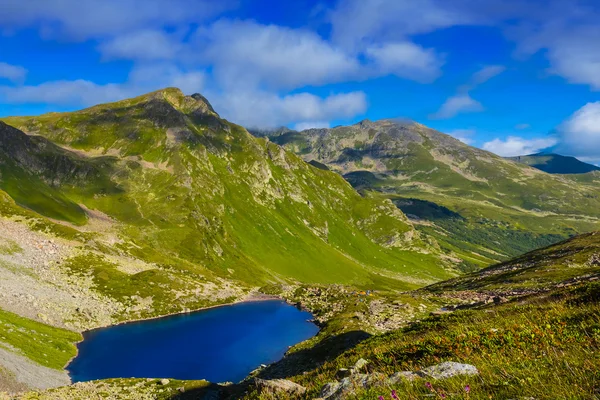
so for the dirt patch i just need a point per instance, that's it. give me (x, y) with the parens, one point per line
(18, 372)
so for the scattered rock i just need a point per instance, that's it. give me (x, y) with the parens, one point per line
(279, 386)
(361, 363)
(348, 386)
(594, 260)
(330, 389)
(402, 375)
(448, 369)
(164, 382)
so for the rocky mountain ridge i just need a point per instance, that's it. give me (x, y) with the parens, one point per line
(476, 204)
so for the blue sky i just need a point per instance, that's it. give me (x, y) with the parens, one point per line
(510, 76)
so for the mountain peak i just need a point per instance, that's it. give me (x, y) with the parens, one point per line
(186, 104)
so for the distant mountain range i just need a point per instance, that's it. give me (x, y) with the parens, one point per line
(479, 206)
(555, 163)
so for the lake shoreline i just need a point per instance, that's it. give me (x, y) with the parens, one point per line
(247, 315)
(248, 298)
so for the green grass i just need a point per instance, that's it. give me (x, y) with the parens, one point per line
(163, 288)
(505, 208)
(126, 388)
(48, 346)
(545, 346)
(540, 269)
(543, 343)
(217, 201)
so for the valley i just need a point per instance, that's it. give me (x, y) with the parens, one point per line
(408, 247)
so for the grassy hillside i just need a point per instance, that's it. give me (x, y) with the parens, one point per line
(163, 206)
(555, 163)
(540, 339)
(156, 205)
(478, 205)
(531, 326)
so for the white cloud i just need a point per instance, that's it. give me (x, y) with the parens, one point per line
(406, 60)
(82, 92)
(518, 146)
(13, 73)
(142, 45)
(580, 134)
(250, 54)
(485, 74)
(464, 135)
(264, 109)
(356, 24)
(460, 103)
(302, 126)
(567, 32)
(83, 19)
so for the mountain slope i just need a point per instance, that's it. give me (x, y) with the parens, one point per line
(163, 183)
(479, 205)
(531, 327)
(555, 163)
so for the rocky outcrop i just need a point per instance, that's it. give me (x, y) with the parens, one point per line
(356, 381)
(279, 387)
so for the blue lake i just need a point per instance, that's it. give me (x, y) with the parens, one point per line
(219, 344)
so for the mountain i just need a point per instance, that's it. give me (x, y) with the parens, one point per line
(479, 206)
(555, 163)
(156, 205)
(157, 198)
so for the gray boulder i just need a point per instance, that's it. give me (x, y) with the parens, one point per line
(279, 386)
(448, 369)
(349, 385)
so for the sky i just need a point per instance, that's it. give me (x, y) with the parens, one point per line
(510, 76)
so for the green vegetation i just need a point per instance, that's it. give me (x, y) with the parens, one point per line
(9, 247)
(49, 346)
(546, 348)
(162, 206)
(166, 291)
(194, 193)
(542, 340)
(130, 388)
(478, 206)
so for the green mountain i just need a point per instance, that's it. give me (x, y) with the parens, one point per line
(555, 163)
(156, 205)
(479, 206)
(160, 194)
